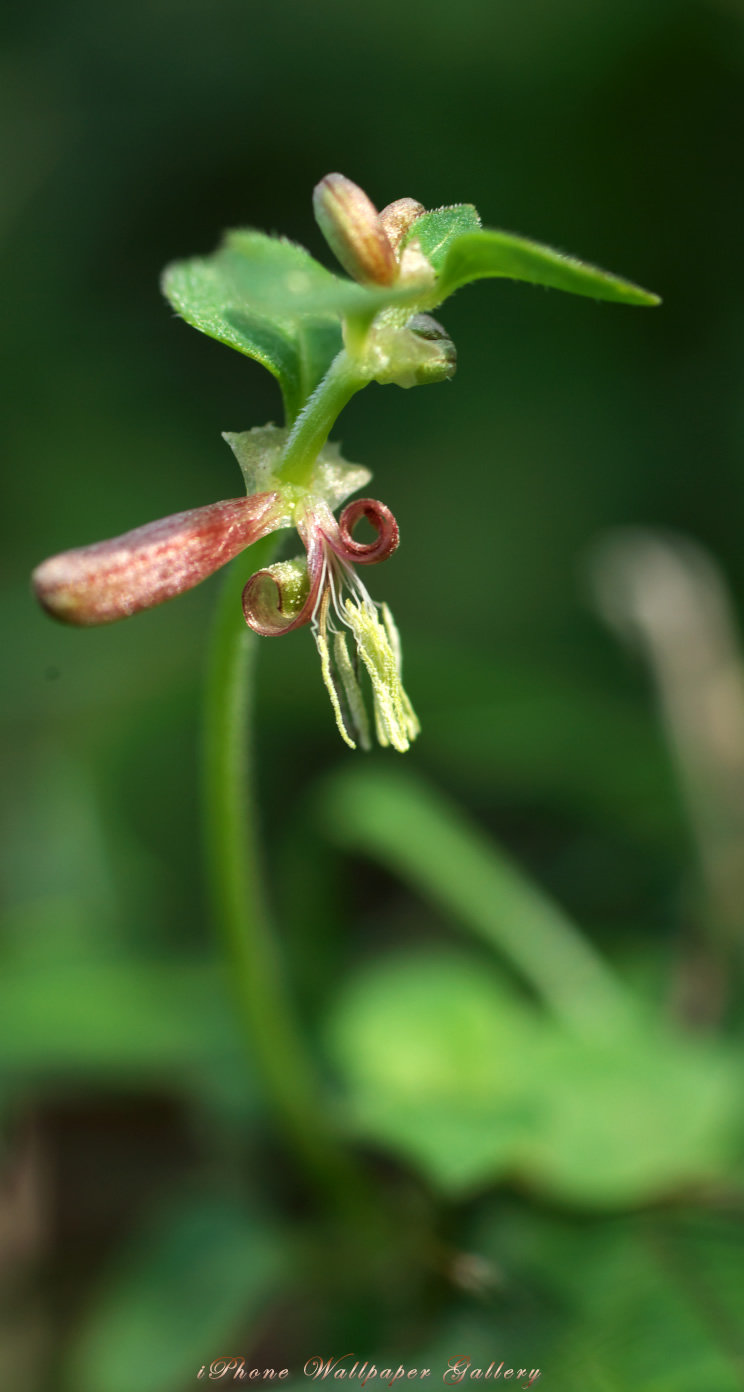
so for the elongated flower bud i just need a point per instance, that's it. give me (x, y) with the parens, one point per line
(352, 228)
(113, 579)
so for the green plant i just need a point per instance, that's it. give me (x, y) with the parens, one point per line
(466, 1073)
(324, 339)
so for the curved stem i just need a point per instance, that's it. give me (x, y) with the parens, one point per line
(238, 897)
(317, 417)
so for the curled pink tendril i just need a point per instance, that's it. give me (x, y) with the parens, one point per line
(385, 525)
(330, 551)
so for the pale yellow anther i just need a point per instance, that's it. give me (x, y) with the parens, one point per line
(395, 721)
(412, 721)
(352, 691)
(325, 667)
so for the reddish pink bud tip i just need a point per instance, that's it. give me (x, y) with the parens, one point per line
(397, 217)
(114, 579)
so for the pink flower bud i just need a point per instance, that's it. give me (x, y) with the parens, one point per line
(352, 228)
(397, 217)
(114, 579)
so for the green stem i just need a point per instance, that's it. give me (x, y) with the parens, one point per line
(238, 898)
(317, 418)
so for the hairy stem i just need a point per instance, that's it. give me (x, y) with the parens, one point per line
(317, 418)
(238, 898)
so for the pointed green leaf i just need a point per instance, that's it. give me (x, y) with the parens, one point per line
(436, 231)
(198, 292)
(631, 1119)
(250, 296)
(479, 255)
(76, 1019)
(186, 1290)
(436, 1056)
(650, 1301)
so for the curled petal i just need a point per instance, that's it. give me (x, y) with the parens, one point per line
(114, 579)
(379, 517)
(280, 598)
(284, 596)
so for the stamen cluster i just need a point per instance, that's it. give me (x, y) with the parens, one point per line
(323, 589)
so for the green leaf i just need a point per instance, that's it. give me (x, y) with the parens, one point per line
(279, 278)
(198, 291)
(651, 1302)
(437, 1057)
(282, 277)
(482, 254)
(411, 829)
(246, 296)
(185, 1292)
(630, 1120)
(121, 1019)
(436, 231)
(651, 1323)
(449, 1068)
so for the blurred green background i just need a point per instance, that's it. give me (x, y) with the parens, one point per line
(551, 1114)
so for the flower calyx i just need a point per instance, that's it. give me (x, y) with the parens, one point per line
(259, 455)
(415, 355)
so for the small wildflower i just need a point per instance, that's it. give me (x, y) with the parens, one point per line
(267, 298)
(115, 579)
(325, 591)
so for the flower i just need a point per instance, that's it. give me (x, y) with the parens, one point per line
(269, 299)
(293, 477)
(115, 579)
(323, 589)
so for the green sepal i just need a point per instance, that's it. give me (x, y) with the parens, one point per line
(478, 255)
(436, 231)
(258, 453)
(199, 1266)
